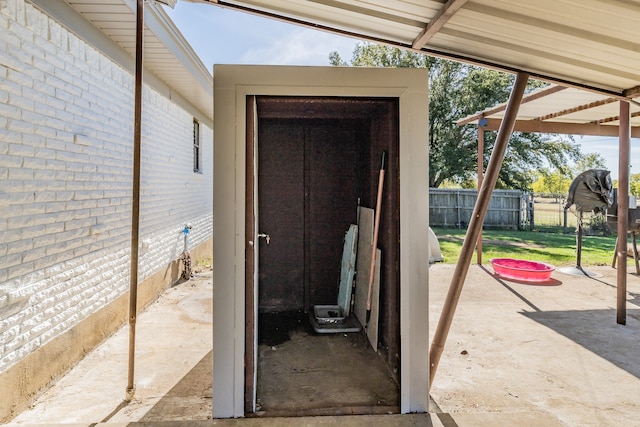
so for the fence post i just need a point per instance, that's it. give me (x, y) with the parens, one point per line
(458, 209)
(531, 213)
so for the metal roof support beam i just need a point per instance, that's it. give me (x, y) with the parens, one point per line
(135, 203)
(501, 107)
(623, 211)
(576, 109)
(480, 179)
(615, 119)
(475, 223)
(448, 10)
(563, 128)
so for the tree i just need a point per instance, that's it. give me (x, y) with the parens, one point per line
(589, 161)
(634, 184)
(457, 90)
(553, 182)
(558, 179)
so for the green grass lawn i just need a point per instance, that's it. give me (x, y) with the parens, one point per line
(554, 248)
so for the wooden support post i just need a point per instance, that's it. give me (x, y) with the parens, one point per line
(623, 212)
(475, 224)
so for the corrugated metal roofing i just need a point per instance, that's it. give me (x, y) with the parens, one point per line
(589, 43)
(559, 109)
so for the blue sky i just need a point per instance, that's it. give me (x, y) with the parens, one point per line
(223, 36)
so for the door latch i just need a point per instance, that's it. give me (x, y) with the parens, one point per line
(266, 236)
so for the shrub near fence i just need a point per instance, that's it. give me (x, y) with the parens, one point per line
(508, 209)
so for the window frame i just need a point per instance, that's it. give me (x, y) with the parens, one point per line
(197, 155)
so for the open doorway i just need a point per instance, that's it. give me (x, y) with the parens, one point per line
(317, 161)
(396, 102)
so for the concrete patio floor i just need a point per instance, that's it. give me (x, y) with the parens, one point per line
(554, 348)
(517, 354)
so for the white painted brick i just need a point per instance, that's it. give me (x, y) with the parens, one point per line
(10, 111)
(20, 150)
(32, 209)
(18, 199)
(20, 126)
(82, 223)
(33, 254)
(10, 161)
(9, 235)
(39, 117)
(15, 173)
(80, 158)
(11, 260)
(45, 175)
(20, 270)
(19, 246)
(34, 163)
(32, 232)
(21, 222)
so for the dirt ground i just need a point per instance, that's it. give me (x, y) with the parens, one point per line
(320, 374)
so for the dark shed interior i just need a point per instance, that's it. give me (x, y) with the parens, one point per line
(317, 158)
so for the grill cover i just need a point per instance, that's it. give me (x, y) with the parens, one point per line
(592, 190)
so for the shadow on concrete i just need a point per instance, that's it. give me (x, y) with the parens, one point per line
(597, 331)
(501, 280)
(118, 408)
(189, 399)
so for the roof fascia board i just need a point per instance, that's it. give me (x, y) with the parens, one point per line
(442, 17)
(161, 25)
(63, 13)
(538, 126)
(632, 92)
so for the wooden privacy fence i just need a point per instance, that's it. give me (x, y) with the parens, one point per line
(508, 210)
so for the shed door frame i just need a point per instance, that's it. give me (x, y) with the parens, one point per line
(232, 85)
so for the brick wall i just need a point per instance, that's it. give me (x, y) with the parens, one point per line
(66, 137)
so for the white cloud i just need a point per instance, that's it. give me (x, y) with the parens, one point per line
(609, 149)
(301, 46)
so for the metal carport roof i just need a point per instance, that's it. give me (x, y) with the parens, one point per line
(592, 44)
(561, 109)
(588, 44)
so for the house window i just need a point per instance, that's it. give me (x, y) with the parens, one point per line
(196, 146)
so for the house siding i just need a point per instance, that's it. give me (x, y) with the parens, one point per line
(66, 147)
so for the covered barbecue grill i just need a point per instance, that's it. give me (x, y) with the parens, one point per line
(591, 191)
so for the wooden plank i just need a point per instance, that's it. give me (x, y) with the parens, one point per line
(372, 326)
(363, 262)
